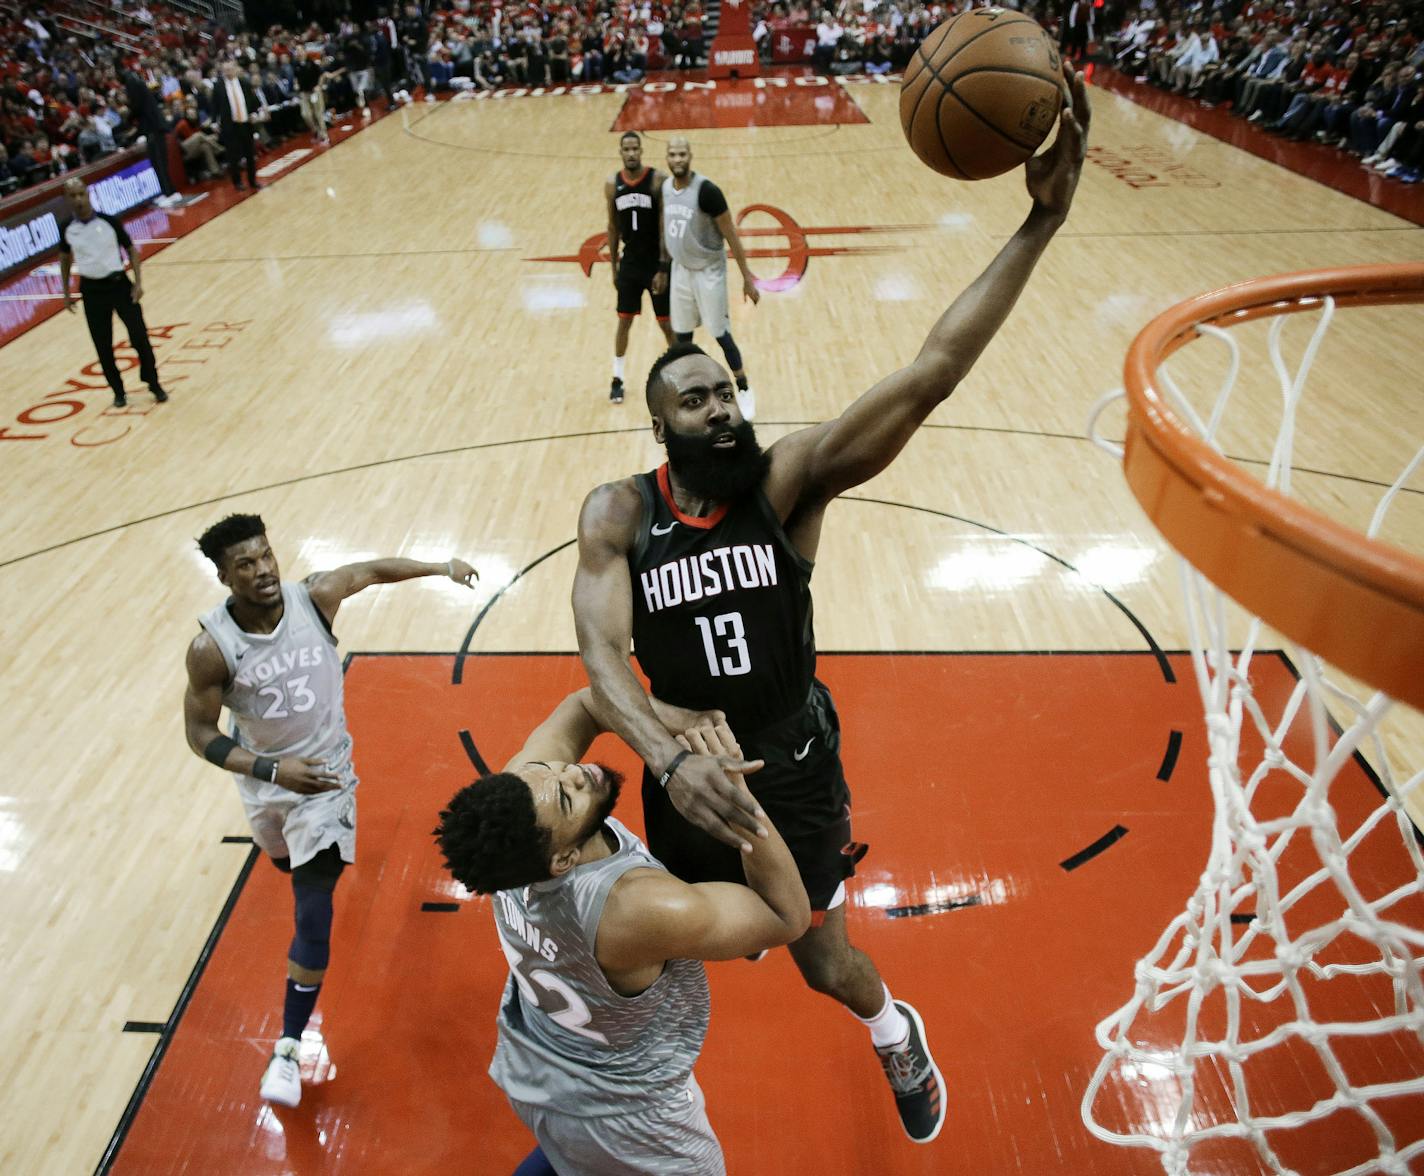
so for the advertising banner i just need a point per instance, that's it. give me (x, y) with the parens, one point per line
(30, 233)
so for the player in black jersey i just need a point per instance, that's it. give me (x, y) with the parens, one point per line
(705, 566)
(635, 218)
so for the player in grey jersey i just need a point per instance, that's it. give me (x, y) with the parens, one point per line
(697, 227)
(269, 655)
(606, 1005)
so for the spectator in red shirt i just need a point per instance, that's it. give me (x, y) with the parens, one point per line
(198, 143)
(1319, 87)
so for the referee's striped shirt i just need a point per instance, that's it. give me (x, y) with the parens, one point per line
(94, 245)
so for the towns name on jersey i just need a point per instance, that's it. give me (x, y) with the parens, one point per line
(709, 573)
(279, 663)
(527, 931)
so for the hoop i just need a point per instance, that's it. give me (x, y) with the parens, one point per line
(1356, 601)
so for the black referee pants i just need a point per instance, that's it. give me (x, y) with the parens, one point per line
(103, 298)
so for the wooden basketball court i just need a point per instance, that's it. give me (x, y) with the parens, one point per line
(402, 346)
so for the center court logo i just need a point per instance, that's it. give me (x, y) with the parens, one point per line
(796, 249)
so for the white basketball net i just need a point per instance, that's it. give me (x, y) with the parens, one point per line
(1220, 1003)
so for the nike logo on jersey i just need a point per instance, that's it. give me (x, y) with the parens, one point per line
(657, 530)
(800, 755)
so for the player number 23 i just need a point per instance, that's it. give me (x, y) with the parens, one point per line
(728, 630)
(301, 699)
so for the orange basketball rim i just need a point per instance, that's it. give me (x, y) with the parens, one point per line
(1355, 601)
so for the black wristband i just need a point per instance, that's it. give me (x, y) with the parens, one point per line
(265, 768)
(672, 767)
(664, 266)
(217, 750)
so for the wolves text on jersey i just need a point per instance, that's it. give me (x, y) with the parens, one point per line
(279, 663)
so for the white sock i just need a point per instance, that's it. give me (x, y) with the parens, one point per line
(889, 1027)
(617, 367)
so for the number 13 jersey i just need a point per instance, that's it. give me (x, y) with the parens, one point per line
(721, 608)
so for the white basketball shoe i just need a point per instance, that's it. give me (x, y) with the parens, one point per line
(282, 1083)
(746, 401)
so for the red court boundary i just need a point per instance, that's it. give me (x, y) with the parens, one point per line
(979, 778)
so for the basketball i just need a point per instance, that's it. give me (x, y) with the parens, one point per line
(981, 93)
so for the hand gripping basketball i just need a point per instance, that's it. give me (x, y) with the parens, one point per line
(1052, 177)
(709, 788)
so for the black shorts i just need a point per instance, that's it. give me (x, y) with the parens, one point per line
(807, 799)
(320, 873)
(633, 279)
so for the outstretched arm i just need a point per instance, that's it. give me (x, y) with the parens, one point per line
(700, 787)
(329, 589)
(825, 460)
(566, 735)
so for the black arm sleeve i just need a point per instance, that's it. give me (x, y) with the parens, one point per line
(710, 199)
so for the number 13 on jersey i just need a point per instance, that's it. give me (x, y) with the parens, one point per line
(724, 640)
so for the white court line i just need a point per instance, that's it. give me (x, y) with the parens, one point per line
(28, 297)
(156, 240)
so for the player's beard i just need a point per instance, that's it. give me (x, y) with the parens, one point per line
(604, 809)
(718, 475)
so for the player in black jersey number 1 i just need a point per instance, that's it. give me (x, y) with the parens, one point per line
(705, 565)
(635, 219)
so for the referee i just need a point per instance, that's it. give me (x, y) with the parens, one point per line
(91, 243)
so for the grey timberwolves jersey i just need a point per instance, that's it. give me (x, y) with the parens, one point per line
(567, 1040)
(693, 238)
(284, 688)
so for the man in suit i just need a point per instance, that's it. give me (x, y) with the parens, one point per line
(238, 109)
(148, 117)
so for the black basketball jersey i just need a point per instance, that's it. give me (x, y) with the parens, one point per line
(638, 227)
(721, 608)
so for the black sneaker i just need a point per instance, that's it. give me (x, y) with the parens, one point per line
(916, 1081)
(120, 400)
(615, 393)
(159, 394)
